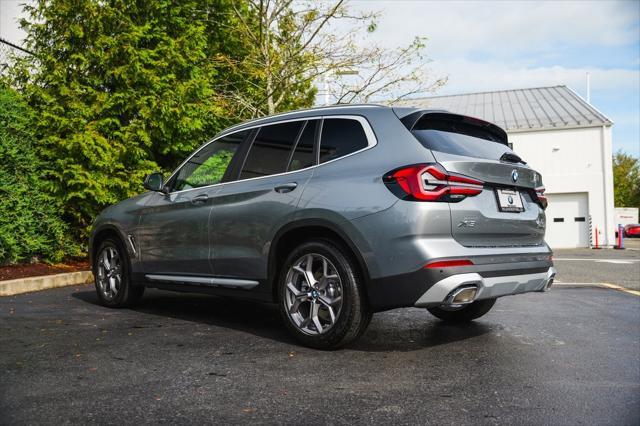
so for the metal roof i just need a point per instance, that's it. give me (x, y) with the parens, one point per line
(520, 110)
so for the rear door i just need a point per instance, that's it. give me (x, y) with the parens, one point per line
(507, 212)
(248, 211)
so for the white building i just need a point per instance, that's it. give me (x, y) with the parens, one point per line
(567, 140)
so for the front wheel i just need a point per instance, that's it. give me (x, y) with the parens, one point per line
(464, 313)
(111, 272)
(321, 296)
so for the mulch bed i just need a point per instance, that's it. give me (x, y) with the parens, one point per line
(36, 269)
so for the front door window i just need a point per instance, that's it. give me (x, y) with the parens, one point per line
(209, 165)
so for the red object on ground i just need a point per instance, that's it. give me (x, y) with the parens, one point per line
(37, 269)
(620, 234)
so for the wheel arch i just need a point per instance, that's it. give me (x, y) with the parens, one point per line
(100, 235)
(297, 232)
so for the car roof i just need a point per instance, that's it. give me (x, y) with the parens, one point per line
(354, 109)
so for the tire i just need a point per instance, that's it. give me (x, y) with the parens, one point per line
(119, 292)
(350, 313)
(465, 314)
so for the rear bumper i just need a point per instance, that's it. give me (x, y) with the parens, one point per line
(487, 287)
(494, 277)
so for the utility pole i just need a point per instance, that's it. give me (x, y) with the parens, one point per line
(588, 88)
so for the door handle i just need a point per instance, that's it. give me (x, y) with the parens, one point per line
(200, 199)
(286, 187)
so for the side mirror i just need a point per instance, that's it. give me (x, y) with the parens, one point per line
(154, 182)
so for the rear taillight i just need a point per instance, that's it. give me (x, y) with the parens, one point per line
(431, 182)
(542, 199)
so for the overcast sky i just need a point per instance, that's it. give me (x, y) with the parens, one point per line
(505, 45)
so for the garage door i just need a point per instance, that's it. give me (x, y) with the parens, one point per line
(568, 220)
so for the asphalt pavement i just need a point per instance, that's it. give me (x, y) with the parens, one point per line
(619, 267)
(569, 356)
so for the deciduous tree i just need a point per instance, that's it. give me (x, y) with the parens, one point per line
(626, 180)
(297, 43)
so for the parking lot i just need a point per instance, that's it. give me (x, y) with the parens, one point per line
(570, 356)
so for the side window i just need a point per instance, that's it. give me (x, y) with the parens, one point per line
(209, 165)
(341, 136)
(270, 150)
(303, 155)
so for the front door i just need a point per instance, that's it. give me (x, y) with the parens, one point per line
(174, 235)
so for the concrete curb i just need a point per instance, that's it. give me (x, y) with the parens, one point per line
(29, 284)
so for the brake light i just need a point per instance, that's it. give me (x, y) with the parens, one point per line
(542, 199)
(448, 263)
(431, 182)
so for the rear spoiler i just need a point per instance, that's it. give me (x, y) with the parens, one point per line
(463, 123)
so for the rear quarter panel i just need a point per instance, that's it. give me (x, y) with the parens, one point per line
(349, 189)
(352, 186)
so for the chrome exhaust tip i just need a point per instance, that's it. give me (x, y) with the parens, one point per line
(551, 275)
(462, 295)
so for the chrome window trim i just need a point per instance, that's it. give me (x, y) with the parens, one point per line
(257, 121)
(372, 141)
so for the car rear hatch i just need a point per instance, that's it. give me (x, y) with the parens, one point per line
(509, 211)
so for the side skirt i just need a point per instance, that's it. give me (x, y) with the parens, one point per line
(204, 281)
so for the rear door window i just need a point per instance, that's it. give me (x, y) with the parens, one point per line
(303, 156)
(269, 154)
(459, 138)
(340, 137)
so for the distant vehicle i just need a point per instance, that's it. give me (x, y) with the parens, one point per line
(632, 231)
(336, 213)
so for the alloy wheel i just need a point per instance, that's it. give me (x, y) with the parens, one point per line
(109, 272)
(313, 294)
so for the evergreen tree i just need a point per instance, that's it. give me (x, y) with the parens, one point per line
(121, 88)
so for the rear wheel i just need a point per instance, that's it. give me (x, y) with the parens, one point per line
(111, 272)
(465, 313)
(322, 301)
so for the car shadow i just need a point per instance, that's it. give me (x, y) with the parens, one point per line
(386, 332)
(257, 318)
(382, 337)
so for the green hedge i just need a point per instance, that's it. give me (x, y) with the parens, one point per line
(30, 224)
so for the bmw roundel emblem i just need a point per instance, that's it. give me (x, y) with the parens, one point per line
(514, 175)
(510, 199)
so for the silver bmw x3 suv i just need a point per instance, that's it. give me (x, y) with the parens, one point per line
(336, 213)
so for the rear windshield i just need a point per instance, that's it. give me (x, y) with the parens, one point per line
(459, 139)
